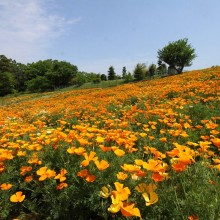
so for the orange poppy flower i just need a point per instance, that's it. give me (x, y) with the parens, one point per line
(61, 175)
(164, 139)
(79, 151)
(71, 150)
(193, 217)
(154, 165)
(17, 197)
(82, 141)
(88, 158)
(6, 186)
(179, 167)
(121, 191)
(45, 173)
(140, 173)
(83, 173)
(122, 176)
(157, 177)
(28, 178)
(25, 169)
(119, 152)
(216, 142)
(105, 149)
(130, 168)
(90, 178)
(102, 165)
(128, 210)
(61, 186)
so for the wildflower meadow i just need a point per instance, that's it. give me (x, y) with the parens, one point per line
(145, 150)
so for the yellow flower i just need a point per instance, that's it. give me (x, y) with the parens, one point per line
(100, 140)
(71, 150)
(148, 193)
(130, 168)
(122, 176)
(17, 197)
(80, 151)
(45, 173)
(105, 192)
(122, 192)
(114, 208)
(150, 198)
(102, 165)
(119, 152)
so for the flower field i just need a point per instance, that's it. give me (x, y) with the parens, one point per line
(146, 150)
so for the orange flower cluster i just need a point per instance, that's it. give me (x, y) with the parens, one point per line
(141, 133)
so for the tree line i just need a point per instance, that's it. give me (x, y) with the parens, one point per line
(49, 75)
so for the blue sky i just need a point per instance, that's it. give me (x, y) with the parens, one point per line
(95, 34)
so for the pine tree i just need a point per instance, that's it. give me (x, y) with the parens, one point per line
(111, 73)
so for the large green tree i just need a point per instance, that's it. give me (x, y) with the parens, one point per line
(177, 54)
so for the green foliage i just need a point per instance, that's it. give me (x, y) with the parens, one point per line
(152, 69)
(177, 54)
(5, 64)
(97, 79)
(188, 192)
(79, 80)
(20, 76)
(103, 77)
(162, 68)
(124, 72)
(129, 77)
(39, 84)
(140, 71)
(57, 73)
(52, 73)
(7, 83)
(111, 73)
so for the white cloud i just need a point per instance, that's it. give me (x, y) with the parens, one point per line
(28, 28)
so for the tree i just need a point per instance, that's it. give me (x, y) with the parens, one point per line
(177, 54)
(162, 68)
(124, 72)
(6, 83)
(129, 77)
(97, 78)
(5, 64)
(103, 77)
(20, 76)
(152, 69)
(79, 80)
(111, 73)
(61, 74)
(39, 84)
(140, 71)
